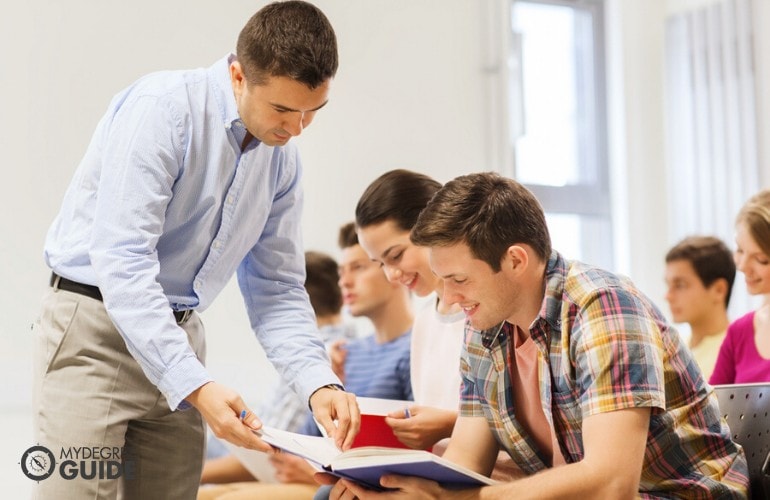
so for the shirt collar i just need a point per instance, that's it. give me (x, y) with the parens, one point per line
(220, 75)
(555, 277)
(550, 310)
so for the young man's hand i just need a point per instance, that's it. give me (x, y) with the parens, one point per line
(292, 469)
(424, 427)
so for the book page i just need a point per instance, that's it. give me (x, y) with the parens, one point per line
(316, 449)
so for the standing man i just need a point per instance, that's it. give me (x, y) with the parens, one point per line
(700, 272)
(567, 367)
(189, 179)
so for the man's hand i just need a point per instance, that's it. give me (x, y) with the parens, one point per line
(424, 427)
(330, 405)
(221, 408)
(292, 469)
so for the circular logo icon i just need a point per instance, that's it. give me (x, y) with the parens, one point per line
(38, 463)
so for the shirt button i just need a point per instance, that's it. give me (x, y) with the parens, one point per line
(229, 200)
(217, 244)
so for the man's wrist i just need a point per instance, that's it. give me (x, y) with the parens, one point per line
(334, 387)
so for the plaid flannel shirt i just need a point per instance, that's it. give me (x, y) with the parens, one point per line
(603, 346)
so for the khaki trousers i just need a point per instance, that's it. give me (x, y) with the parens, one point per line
(93, 401)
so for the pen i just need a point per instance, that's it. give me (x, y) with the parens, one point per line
(243, 414)
(407, 413)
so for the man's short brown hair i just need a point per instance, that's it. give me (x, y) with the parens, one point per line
(709, 257)
(322, 283)
(487, 212)
(292, 39)
(348, 237)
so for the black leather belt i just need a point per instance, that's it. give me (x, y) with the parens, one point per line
(60, 283)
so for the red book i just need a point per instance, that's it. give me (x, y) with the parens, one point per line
(374, 430)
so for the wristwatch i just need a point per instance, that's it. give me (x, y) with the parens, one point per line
(334, 387)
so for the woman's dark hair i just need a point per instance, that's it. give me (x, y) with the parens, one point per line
(398, 195)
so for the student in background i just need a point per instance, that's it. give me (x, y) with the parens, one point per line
(375, 366)
(567, 367)
(745, 353)
(699, 275)
(283, 408)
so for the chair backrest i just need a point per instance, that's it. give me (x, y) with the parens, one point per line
(746, 408)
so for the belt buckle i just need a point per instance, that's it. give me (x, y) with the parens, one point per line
(184, 316)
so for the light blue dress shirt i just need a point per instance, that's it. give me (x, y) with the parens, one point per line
(165, 207)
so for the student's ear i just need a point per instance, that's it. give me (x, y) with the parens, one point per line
(719, 288)
(516, 259)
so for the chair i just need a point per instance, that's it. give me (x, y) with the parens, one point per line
(746, 408)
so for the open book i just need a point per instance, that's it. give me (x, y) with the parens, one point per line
(367, 464)
(374, 432)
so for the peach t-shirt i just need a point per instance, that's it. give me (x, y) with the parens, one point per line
(526, 395)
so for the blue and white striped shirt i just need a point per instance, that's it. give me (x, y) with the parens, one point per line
(165, 207)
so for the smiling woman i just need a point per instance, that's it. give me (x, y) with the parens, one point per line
(745, 353)
(385, 214)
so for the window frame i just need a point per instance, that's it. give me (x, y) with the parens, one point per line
(590, 201)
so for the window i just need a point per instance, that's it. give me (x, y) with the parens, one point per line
(712, 92)
(556, 130)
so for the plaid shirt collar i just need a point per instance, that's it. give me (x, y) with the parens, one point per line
(550, 311)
